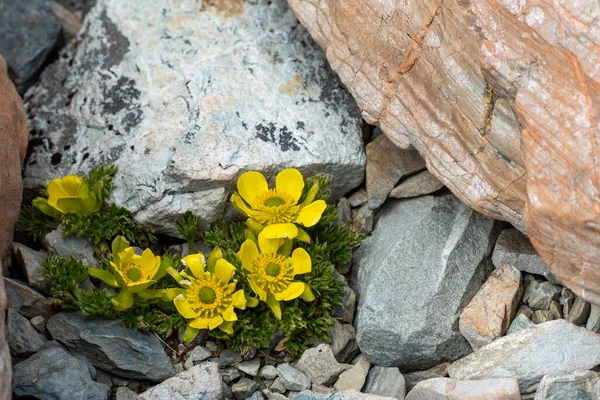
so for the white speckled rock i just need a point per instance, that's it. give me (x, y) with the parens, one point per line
(184, 97)
(201, 382)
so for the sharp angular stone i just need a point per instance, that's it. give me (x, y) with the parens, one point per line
(249, 367)
(386, 165)
(29, 33)
(343, 342)
(556, 310)
(278, 385)
(199, 354)
(580, 311)
(320, 365)
(344, 212)
(244, 388)
(385, 381)
(593, 322)
(291, 378)
(362, 220)
(417, 185)
(39, 323)
(541, 316)
(66, 246)
(576, 386)
(553, 348)
(354, 378)
(186, 150)
(107, 345)
(22, 338)
(228, 357)
(31, 261)
(345, 395)
(539, 295)
(489, 313)
(230, 374)
(514, 248)
(55, 374)
(519, 323)
(412, 378)
(425, 260)
(27, 301)
(444, 388)
(201, 382)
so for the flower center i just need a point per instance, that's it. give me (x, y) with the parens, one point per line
(274, 201)
(272, 269)
(134, 274)
(207, 295)
(273, 207)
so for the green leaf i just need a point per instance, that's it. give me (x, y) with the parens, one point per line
(118, 245)
(190, 334)
(123, 300)
(104, 276)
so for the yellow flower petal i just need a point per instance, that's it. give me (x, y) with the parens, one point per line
(195, 262)
(274, 305)
(238, 299)
(268, 245)
(139, 286)
(250, 185)
(117, 274)
(229, 314)
(67, 186)
(203, 323)
(262, 294)
(104, 276)
(310, 196)
(148, 261)
(183, 307)
(311, 214)
(290, 181)
(126, 256)
(254, 226)
(301, 262)
(214, 255)
(71, 204)
(280, 231)
(303, 236)
(307, 295)
(43, 205)
(240, 204)
(294, 290)
(248, 253)
(224, 270)
(227, 327)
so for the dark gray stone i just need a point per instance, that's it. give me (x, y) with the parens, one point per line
(343, 342)
(230, 374)
(22, 338)
(385, 381)
(39, 323)
(66, 246)
(107, 345)
(425, 260)
(228, 357)
(55, 374)
(199, 354)
(31, 262)
(124, 393)
(250, 367)
(244, 388)
(29, 33)
(25, 300)
(201, 382)
(539, 295)
(580, 385)
(362, 219)
(580, 311)
(291, 378)
(593, 322)
(345, 312)
(514, 248)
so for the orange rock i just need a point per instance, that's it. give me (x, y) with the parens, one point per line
(13, 139)
(500, 97)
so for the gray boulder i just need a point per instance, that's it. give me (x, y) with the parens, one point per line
(21, 336)
(185, 111)
(576, 386)
(202, 382)
(55, 374)
(385, 381)
(423, 263)
(552, 348)
(31, 262)
(109, 346)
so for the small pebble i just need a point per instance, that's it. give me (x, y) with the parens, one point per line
(39, 323)
(268, 372)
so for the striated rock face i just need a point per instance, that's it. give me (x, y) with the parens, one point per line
(499, 96)
(185, 97)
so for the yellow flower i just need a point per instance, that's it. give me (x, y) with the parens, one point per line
(271, 271)
(210, 297)
(130, 272)
(278, 205)
(69, 194)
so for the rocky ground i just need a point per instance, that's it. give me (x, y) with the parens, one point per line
(440, 302)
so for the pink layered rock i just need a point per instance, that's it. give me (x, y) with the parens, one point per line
(500, 97)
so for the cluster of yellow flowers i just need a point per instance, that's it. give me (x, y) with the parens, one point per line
(207, 296)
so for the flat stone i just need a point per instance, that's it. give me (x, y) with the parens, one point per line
(249, 367)
(186, 150)
(345, 312)
(553, 348)
(362, 220)
(31, 262)
(439, 249)
(580, 311)
(593, 322)
(514, 248)
(199, 354)
(519, 323)
(229, 357)
(556, 310)
(291, 378)
(385, 381)
(39, 323)
(490, 312)
(320, 365)
(53, 373)
(539, 295)
(30, 32)
(358, 198)
(345, 395)
(107, 345)
(66, 246)
(354, 378)
(576, 386)
(445, 388)
(25, 300)
(124, 393)
(343, 342)
(244, 388)
(277, 396)
(386, 165)
(417, 185)
(22, 338)
(268, 372)
(201, 382)
(412, 378)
